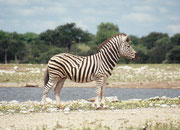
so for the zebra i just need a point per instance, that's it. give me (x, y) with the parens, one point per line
(96, 67)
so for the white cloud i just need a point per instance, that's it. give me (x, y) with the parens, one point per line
(174, 28)
(41, 10)
(163, 10)
(140, 17)
(79, 23)
(99, 12)
(142, 8)
(174, 17)
(14, 2)
(39, 26)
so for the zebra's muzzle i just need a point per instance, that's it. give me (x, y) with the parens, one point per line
(135, 57)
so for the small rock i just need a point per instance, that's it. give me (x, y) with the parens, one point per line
(31, 110)
(1, 114)
(66, 110)
(164, 105)
(14, 101)
(81, 101)
(164, 97)
(173, 105)
(52, 109)
(92, 99)
(151, 104)
(157, 105)
(11, 111)
(112, 99)
(136, 100)
(23, 112)
(179, 97)
(48, 100)
(157, 98)
(111, 107)
(175, 98)
(3, 102)
(15, 67)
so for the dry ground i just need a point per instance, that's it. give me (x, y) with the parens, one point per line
(105, 119)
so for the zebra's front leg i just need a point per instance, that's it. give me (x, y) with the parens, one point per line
(99, 86)
(102, 93)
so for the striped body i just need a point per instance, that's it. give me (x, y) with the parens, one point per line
(81, 69)
(76, 68)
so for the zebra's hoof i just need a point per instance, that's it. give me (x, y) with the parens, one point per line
(43, 107)
(60, 107)
(99, 108)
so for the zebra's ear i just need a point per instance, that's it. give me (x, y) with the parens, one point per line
(127, 39)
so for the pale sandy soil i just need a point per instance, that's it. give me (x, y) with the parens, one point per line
(114, 119)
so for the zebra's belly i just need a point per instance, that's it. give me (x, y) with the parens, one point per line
(81, 80)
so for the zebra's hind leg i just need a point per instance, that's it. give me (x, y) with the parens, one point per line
(57, 91)
(50, 84)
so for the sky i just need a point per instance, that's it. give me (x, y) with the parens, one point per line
(133, 17)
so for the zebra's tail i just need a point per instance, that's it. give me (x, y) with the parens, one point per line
(46, 76)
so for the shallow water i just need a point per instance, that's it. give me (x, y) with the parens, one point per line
(34, 94)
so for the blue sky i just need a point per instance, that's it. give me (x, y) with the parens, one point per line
(134, 17)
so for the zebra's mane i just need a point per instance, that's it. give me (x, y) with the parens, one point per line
(105, 42)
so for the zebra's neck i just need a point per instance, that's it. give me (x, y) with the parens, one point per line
(109, 57)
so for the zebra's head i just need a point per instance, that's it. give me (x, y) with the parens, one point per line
(126, 50)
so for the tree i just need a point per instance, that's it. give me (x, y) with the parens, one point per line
(134, 39)
(105, 31)
(16, 46)
(69, 34)
(65, 36)
(174, 55)
(158, 53)
(142, 53)
(176, 39)
(30, 37)
(49, 37)
(150, 40)
(4, 44)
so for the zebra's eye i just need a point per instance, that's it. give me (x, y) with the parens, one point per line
(128, 46)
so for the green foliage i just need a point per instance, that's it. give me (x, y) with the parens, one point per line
(4, 44)
(142, 53)
(105, 31)
(158, 53)
(134, 40)
(65, 36)
(38, 48)
(174, 55)
(30, 37)
(176, 39)
(149, 40)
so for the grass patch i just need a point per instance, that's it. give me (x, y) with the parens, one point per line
(35, 107)
(149, 125)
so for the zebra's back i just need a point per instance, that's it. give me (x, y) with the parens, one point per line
(76, 68)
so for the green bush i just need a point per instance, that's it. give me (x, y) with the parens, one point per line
(174, 55)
